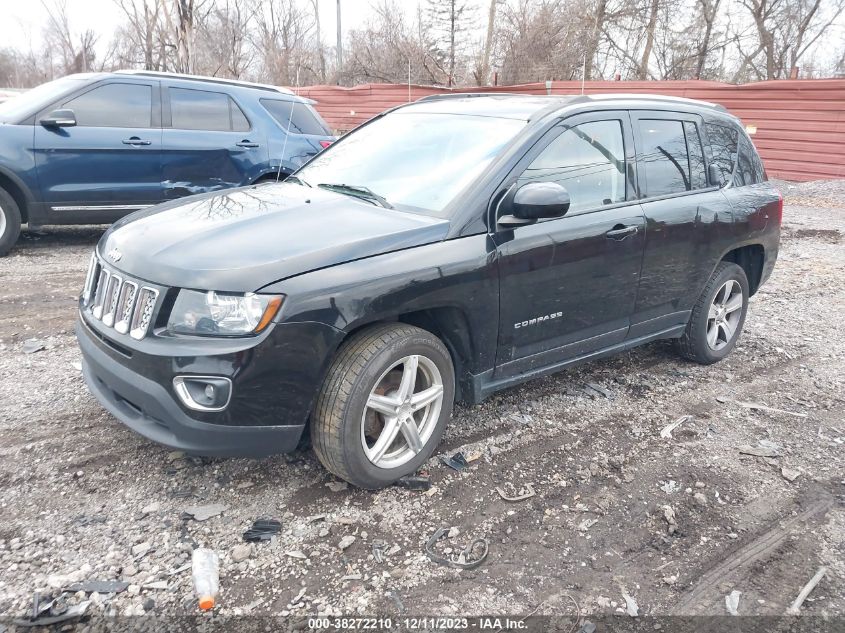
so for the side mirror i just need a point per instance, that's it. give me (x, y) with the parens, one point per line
(536, 201)
(714, 175)
(59, 118)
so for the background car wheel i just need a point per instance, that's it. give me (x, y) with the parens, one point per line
(384, 405)
(718, 316)
(10, 222)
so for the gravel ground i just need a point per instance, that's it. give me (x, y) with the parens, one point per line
(674, 523)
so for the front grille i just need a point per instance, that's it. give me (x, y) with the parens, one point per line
(118, 302)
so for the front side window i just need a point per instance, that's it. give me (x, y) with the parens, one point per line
(416, 161)
(588, 160)
(723, 148)
(294, 116)
(205, 110)
(114, 105)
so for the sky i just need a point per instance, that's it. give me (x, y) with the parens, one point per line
(22, 21)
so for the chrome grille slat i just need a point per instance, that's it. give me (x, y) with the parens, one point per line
(117, 302)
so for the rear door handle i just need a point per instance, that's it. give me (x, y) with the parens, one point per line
(134, 140)
(620, 231)
(246, 143)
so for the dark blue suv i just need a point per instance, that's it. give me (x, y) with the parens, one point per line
(91, 148)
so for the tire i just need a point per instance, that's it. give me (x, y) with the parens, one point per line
(10, 222)
(694, 345)
(369, 368)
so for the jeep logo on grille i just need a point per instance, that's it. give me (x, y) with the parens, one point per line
(114, 255)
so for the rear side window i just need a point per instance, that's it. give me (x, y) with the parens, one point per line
(205, 110)
(588, 160)
(114, 105)
(297, 115)
(671, 157)
(723, 146)
(749, 168)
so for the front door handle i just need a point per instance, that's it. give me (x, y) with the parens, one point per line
(246, 143)
(620, 231)
(134, 140)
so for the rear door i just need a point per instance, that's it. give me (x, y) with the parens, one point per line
(688, 219)
(208, 143)
(108, 164)
(568, 285)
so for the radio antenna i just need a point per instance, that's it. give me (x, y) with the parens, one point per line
(290, 118)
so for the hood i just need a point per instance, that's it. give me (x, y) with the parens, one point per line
(246, 238)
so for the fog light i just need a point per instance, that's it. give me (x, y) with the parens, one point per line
(203, 393)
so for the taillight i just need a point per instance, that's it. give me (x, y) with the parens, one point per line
(325, 144)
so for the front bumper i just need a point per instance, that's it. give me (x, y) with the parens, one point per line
(146, 404)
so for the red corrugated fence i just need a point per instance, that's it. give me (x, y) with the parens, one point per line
(800, 123)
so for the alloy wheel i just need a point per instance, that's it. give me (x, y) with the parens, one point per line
(724, 315)
(402, 411)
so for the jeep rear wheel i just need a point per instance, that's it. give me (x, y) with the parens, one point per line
(384, 405)
(10, 222)
(717, 318)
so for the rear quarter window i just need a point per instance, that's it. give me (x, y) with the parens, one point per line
(749, 167)
(723, 148)
(294, 115)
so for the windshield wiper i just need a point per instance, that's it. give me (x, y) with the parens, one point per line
(297, 179)
(358, 191)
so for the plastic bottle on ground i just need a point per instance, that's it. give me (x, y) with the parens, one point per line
(205, 567)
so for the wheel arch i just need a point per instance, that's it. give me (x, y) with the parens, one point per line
(751, 258)
(12, 185)
(448, 323)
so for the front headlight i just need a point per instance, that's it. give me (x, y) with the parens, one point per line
(221, 314)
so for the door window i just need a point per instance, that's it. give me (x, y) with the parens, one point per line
(205, 110)
(588, 160)
(666, 160)
(114, 105)
(297, 115)
(723, 146)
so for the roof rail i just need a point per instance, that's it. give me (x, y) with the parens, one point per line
(213, 80)
(655, 97)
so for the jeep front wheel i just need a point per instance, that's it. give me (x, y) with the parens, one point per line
(384, 405)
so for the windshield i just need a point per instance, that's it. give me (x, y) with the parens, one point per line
(416, 161)
(31, 101)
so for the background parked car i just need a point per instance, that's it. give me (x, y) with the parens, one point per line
(90, 148)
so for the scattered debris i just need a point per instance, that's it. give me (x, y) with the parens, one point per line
(203, 513)
(521, 495)
(160, 585)
(53, 612)
(296, 554)
(586, 524)
(378, 550)
(99, 586)
(472, 556)
(700, 499)
(587, 627)
(671, 520)
(32, 345)
(457, 461)
(666, 432)
(670, 487)
(241, 552)
(262, 530)
(346, 542)
(415, 482)
(592, 388)
(337, 486)
(764, 448)
(795, 607)
(761, 407)
(790, 474)
(631, 607)
(732, 602)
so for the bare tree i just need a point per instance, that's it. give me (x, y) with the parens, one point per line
(75, 50)
(448, 19)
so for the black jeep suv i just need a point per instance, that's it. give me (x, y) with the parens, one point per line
(442, 251)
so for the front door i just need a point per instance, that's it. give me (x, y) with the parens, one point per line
(569, 285)
(109, 163)
(208, 143)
